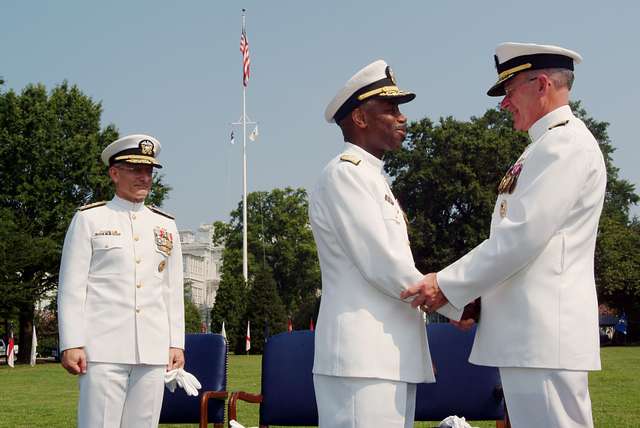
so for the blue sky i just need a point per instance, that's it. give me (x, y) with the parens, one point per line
(173, 69)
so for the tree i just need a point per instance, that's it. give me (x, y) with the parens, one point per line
(50, 147)
(264, 308)
(620, 193)
(617, 257)
(279, 237)
(192, 320)
(446, 178)
(229, 307)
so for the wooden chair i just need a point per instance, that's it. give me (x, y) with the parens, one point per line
(461, 388)
(287, 395)
(205, 358)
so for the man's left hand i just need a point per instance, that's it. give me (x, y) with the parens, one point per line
(427, 294)
(176, 359)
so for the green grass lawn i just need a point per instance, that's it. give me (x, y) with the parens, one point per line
(45, 396)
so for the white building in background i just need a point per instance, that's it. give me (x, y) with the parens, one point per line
(202, 263)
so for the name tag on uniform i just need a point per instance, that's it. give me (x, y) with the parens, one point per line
(107, 233)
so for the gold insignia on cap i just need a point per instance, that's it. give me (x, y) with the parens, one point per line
(391, 75)
(162, 265)
(503, 208)
(514, 70)
(385, 91)
(146, 147)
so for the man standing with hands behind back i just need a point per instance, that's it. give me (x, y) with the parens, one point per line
(370, 346)
(120, 299)
(539, 316)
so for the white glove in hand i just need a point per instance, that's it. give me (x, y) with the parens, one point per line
(184, 380)
(170, 379)
(236, 424)
(454, 422)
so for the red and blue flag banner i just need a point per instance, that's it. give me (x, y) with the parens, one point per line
(246, 61)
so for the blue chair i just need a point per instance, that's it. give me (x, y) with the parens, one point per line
(287, 397)
(205, 358)
(461, 388)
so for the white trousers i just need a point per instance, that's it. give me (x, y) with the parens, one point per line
(347, 402)
(120, 395)
(547, 398)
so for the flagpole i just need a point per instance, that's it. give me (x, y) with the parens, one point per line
(245, 267)
(244, 121)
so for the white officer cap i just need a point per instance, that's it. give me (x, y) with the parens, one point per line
(137, 148)
(374, 80)
(512, 58)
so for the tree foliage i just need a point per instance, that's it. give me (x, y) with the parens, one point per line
(280, 239)
(446, 178)
(265, 309)
(192, 319)
(229, 307)
(50, 145)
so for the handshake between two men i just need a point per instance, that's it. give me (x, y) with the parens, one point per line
(429, 297)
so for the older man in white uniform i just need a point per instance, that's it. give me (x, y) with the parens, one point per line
(120, 299)
(370, 346)
(539, 316)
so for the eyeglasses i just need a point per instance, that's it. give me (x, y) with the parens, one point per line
(136, 169)
(508, 92)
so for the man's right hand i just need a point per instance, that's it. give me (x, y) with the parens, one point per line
(426, 294)
(74, 361)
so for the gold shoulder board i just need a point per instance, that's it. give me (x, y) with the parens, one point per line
(93, 205)
(350, 158)
(162, 213)
(559, 124)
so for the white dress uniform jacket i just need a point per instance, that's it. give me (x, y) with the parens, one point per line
(535, 272)
(121, 291)
(364, 329)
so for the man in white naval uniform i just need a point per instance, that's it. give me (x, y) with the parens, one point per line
(539, 316)
(370, 346)
(120, 298)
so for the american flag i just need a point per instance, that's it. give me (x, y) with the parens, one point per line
(244, 48)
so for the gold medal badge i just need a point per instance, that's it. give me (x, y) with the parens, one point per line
(503, 208)
(162, 265)
(164, 241)
(510, 179)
